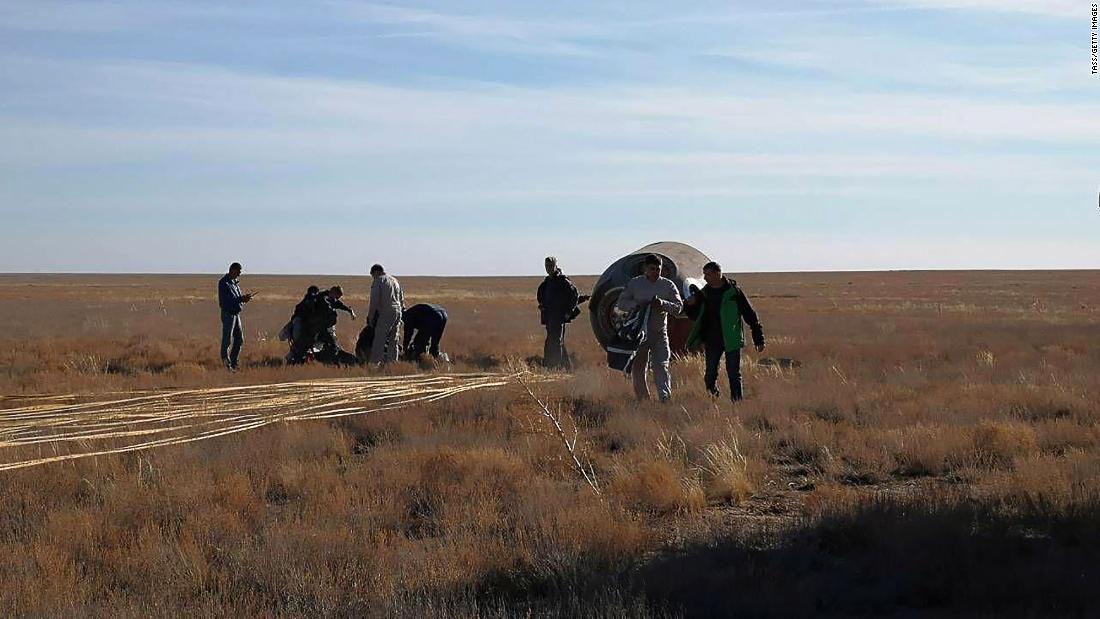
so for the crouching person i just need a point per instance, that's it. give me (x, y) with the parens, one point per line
(424, 324)
(296, 329)
(718, 310)
(313, 328)
(328, 303)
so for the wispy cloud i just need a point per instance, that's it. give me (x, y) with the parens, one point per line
(222, 114)
(74, 16)
(919, 63)
(542, 36)
(1049, 8)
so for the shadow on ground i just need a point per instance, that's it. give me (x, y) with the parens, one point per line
(899, 560)
(891, 559)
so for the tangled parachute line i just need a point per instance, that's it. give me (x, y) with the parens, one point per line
(150, 419)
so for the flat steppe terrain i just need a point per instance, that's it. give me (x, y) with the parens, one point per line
(936, 452)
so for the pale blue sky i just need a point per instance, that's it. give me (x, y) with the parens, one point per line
(477, 137)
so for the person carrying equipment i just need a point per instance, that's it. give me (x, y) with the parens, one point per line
(663, 298)
(630, 334)
(427, 321)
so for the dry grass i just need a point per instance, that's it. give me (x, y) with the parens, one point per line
(944, 421)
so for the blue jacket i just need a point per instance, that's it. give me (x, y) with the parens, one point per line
(426, 316)
(229, 295)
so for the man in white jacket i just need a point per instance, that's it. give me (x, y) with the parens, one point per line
(663, 298)
(384, 314)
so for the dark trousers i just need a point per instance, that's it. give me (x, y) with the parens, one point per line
(232, 339)
(714, 353)
(422, 342)
(426, 339)
(554, 354)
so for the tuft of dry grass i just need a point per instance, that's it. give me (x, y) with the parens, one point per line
(727, 476)
(658, 486)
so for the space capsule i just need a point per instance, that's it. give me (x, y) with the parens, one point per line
(681, 263)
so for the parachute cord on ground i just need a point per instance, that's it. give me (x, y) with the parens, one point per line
(183, 416)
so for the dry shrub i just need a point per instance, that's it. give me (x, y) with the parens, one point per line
(997, 443)
(155, 354)
(460, 488)
(556, 540)
(929, 449)
(1062, 435)
(807, 444)
(833, 498)
(860, 456)
(186, 370)
(1037, 482)
(1037, 405)
(726, 472)
(85, 363)
(659, 487)
(1053, 485)
(623, 433)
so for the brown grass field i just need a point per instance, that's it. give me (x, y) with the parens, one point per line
(936, 453)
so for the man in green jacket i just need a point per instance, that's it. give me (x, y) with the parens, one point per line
(718, 311)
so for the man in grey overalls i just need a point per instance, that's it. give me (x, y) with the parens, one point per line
(384, 314)
(663, 298)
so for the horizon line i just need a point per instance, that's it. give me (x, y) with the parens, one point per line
(497, 276)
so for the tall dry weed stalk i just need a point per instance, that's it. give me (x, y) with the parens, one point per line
(568, 441)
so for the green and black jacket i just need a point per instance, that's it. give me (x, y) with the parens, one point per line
(735, 308)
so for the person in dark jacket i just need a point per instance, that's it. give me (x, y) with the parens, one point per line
(718, 310)
(316, 315)
(231, 301)
(428, 321)
(297, 329)
(325, 317)
(305, 306)
(558, 300)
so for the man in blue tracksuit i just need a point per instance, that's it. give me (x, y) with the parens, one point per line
(231, 302)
